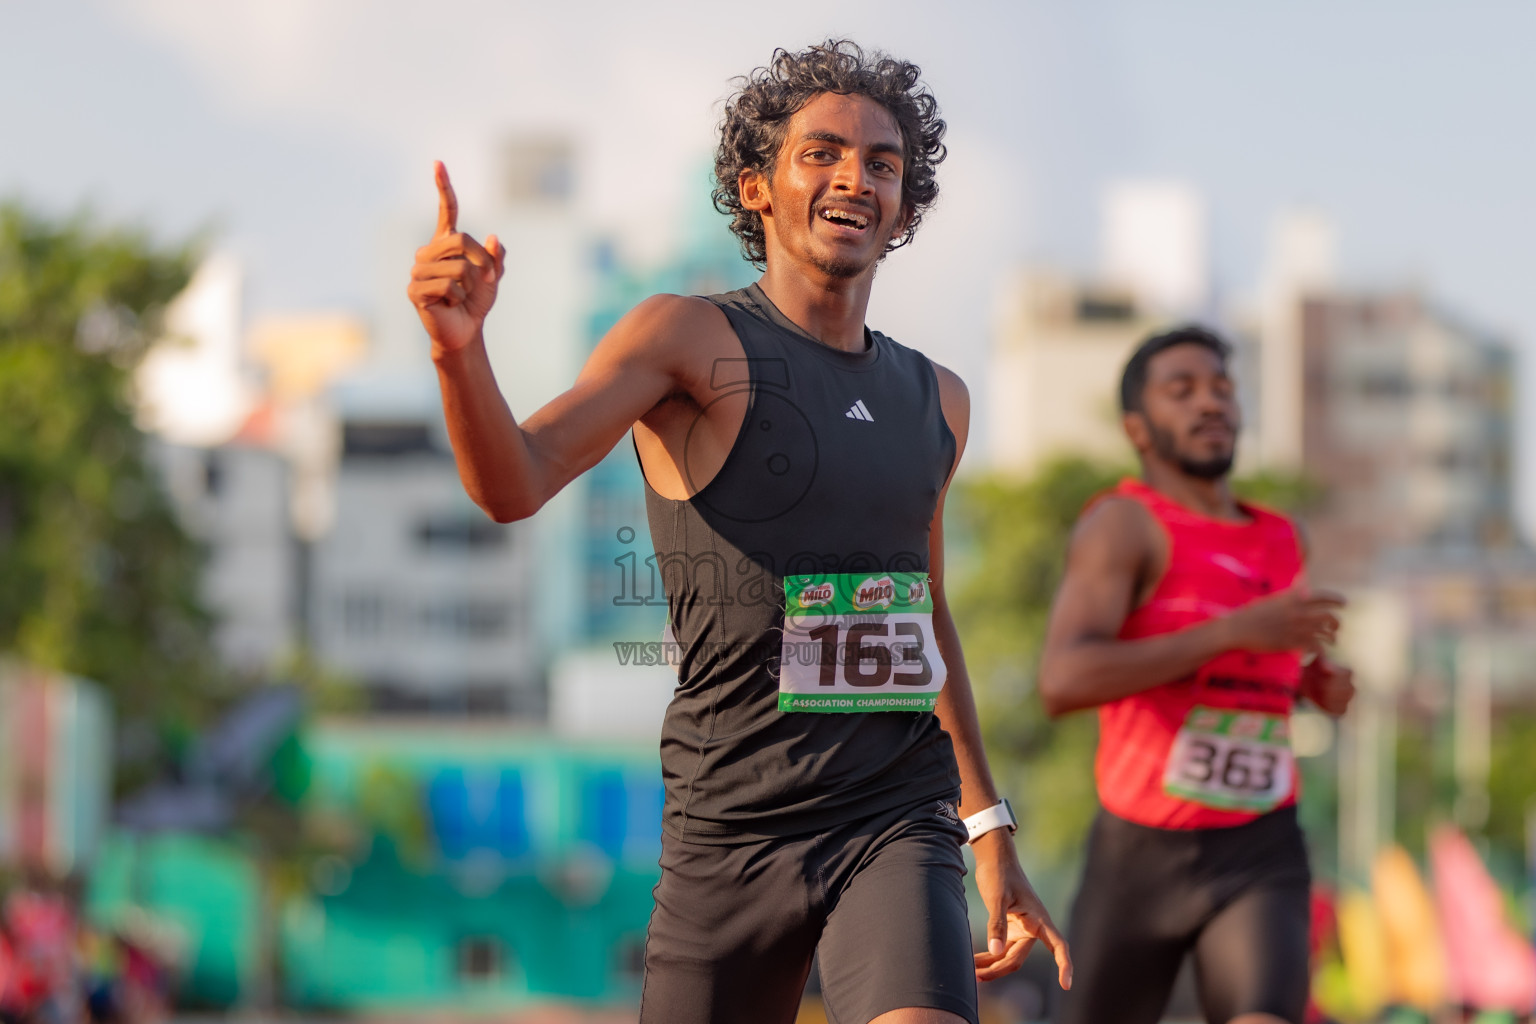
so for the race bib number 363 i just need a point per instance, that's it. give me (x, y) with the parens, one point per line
(859, 642)
(1231, 760)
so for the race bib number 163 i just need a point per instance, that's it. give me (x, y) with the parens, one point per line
(859, 642)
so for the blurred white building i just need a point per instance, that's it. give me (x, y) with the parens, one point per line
(1156, 247)
(233, 499)
(1058, 348)
(1060, 342)
(1299, 263)
(193, 386)
(218, 449)
(416, 595)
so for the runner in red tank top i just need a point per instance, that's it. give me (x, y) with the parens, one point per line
(1185, 618)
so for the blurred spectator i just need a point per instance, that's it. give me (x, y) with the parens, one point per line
(56, 969)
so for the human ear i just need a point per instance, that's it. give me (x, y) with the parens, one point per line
(1135, 426)
(752, 187)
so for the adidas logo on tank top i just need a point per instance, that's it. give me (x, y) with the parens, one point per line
(858, 411)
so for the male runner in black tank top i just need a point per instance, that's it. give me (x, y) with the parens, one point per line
(822, 745)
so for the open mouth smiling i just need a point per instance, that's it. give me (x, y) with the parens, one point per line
(845, 218)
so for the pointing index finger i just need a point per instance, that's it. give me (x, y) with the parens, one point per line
(447, 202)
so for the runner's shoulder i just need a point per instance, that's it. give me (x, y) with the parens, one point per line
(665, 314)
(675, 324)
(955, 401)
(1116, 529)
(950, 383)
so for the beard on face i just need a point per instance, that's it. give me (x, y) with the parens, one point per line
(1167, 449)
(839, 267)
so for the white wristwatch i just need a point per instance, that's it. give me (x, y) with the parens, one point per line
(999, 815)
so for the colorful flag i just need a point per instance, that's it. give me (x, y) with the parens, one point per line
(1492, 967)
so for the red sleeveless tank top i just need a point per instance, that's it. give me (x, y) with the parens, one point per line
(1214, 566)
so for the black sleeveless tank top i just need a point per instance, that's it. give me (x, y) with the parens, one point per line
(837, 469)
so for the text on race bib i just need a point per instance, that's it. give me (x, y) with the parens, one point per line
(859, 642)
(1231, 760)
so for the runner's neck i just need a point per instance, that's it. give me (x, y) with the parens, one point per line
(1210, 498)
(829, 309)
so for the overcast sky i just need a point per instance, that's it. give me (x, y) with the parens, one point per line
(295, 127)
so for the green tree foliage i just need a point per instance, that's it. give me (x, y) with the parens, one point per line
(96, 576)
(1010, 549)
(1013, 540)
(1512, 780)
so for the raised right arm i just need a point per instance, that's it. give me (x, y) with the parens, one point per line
(511, 469)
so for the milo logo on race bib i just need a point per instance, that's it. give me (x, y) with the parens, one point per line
(859, 643)
(816, 595)
(874, 593)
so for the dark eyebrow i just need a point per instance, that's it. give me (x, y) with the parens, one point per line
(837, 140)
(1181, 376)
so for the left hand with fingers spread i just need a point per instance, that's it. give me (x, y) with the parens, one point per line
(1330, 686)
(1016, 919)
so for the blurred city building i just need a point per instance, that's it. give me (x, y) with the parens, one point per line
(300, 357)
(233, 498)
(1060, 340)
(1058, 350)
(255, 491)
(1156, 247)
(415, 594)
(1407, 424)
(1299, 262)
(218, 440)
(192, 387)
(1401, 413)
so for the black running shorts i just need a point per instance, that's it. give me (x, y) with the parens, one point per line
(881, 900)
(1235, 898)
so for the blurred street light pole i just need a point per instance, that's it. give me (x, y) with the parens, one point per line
(1472, 730)
(1375, 643)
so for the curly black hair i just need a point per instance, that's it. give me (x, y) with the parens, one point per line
(757, 118)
